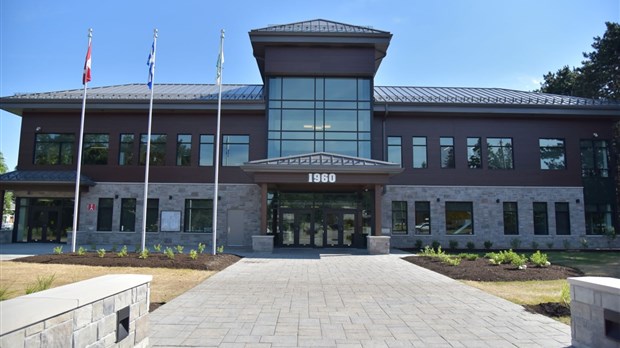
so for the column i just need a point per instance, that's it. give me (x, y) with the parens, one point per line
(378, 210)
(263, 209)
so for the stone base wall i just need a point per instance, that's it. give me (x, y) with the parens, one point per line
(595, 311)
(488, 216)
(82, 314)
(244, 197)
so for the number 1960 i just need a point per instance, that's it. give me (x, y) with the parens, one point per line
(322, 178)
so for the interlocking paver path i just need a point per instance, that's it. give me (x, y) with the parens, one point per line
(345, 301)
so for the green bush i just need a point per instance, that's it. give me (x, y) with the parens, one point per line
(471, 245)
(418, 244)
(534, 245)
(488, 244)
(436, 245)
(193, 254)
(179, 249)
(549, 245)
(565, 295)
(101, 252)
(453, 244)
(123, 252)
(469, 256)
(428, 251)
(143, 254)
(539, 259)
(81, 250)
(42, 283)
(515, 243)
(220, 249)
(157, 248)
(452, 261)
(169, 253)
(503, 257)
(201, 248)
(566, 243)
(58, 250)
(519, 261)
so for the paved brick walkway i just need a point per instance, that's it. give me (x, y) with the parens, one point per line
(344, 301)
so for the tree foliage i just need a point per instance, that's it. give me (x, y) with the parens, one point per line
(8, 196)
(599, 75)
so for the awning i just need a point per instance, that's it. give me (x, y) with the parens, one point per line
(36, 179)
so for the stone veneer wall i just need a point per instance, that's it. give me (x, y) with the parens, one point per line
(488, 215)
(82, 314)
(245, 197)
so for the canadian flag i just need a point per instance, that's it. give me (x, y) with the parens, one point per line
(86, 75)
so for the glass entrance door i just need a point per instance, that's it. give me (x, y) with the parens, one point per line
(44, 225)
(340, 226)
(297, 227)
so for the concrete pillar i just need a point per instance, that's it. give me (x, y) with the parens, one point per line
(263, 209)
(378, 210)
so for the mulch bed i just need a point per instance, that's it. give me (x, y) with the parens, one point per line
(203, 262)
(481, 270)
(550, 309)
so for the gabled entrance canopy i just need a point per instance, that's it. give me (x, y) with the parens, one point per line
(302, 169)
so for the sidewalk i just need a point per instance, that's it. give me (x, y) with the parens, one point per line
(309, 299)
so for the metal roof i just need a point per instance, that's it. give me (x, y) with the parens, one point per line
(254, 93)
(170, 91)
(464, 95)
(62, 177)
(319, 26)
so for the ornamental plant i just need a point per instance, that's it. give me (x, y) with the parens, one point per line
(123, 252)
(469, 256)
(157, 248)
(193, 254)
(179, 249)
(144, 254)
(519, 261)
(201, 248)
(81, 250)
(58, 250)
(101, 252)
(539, 259)
(169, 253)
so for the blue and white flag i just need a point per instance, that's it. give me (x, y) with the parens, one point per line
(151, 63)
(220, 61)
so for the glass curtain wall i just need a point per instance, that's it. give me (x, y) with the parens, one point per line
(308, 114)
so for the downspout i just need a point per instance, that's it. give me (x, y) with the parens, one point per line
(384, 139)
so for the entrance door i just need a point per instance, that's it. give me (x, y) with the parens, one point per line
(297, 227)
(236, 222)
(44, 225)
(340, 226)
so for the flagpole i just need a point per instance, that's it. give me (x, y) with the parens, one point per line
(148, 142)
(217, 141)
(78, 174)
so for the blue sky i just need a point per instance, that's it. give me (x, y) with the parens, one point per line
(473, 43)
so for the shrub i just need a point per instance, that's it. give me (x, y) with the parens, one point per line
(201, 248)
(502, 257)
(193, 254)
(220, 249)
(436, 245)
(123, 252)
(584, 243)
(418, 244)
(179, 249)
(143, 254)
(169, 253)
(539, 259)
(428, 251)
(93, 247)
(515, 243)
(566, 243)
(81, 251)
(565, 295)
(101, 252)
(549, 245)
(113, 248)
(157, 248)
(471, 245)
(519, 261)
(453, 244)
(488, 244)
(534, 245)
(469, 256)
(58, 250)
(452, 261)
(42, 283)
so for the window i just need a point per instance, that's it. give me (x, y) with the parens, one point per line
(562, 218)
(152, 215)
(399, 217)
(552, 154)
(104, 214)
(235, 150)
(598, 218)
(394, 153)
(125, 152)
(184, 150)
(198, 215)
(447, 152)
(594, 158)
(51, 148)
(474, 155)
(308, 114)
(128, 214)
(511, 218)
(500, 153)
(206, 150)
(158, 149)
(459, 218)
(419, 152)
(95, 149)
(423, 217)
(540, 218)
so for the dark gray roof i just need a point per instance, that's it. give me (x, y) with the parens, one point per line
(254, 93)
(462, 95)
(62, 177)
(322, 161)
(168, 91)
(320, 26)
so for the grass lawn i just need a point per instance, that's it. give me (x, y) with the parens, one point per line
(592, 263)
(167, 284)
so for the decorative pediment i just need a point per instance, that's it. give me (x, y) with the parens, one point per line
(322, 161)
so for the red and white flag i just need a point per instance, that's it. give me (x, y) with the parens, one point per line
(86, 75)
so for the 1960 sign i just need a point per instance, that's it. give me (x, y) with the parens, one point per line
(324, 178)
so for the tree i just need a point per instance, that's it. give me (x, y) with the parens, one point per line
(8, 196)
(599, 75)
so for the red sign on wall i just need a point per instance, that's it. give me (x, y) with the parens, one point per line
(91, 206)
